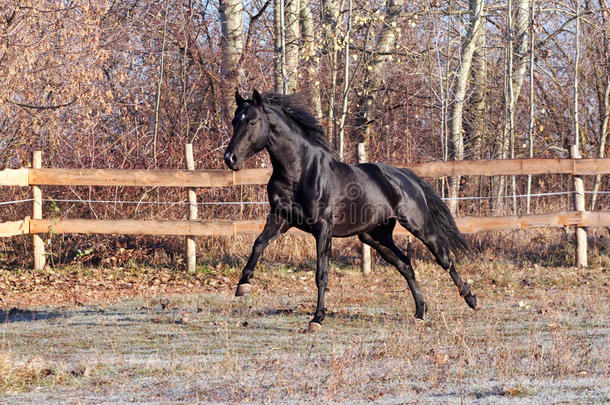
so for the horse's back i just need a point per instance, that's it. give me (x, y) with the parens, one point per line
(402, 182)
(369, 194)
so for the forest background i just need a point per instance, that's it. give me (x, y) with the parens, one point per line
(125, 84)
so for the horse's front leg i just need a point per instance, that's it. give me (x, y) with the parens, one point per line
(323, 245)
(274, 227)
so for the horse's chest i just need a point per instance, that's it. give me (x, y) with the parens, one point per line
(299, 206)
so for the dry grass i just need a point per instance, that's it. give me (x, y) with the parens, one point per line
(542, 336)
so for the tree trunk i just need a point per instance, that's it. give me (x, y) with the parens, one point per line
(456, 150)
(279, 50)
(330, 17)
(292, 34)
(603, 136)
(479, 95)
(532, 100)
(522, 17)
(516, 66)
(479, 100)
(385, 44)
(309, 53)
(605, 104)
(232, 26)
(346, 81)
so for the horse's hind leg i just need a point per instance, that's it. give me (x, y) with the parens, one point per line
(443, 258)
(274, 227)
(381, 240)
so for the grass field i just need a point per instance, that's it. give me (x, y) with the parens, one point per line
(541, 336)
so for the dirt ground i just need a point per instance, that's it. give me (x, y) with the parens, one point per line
(83, 335)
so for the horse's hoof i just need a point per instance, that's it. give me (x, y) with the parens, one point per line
(471, 300)
(243, 289)
(314, 327)
(420, 311)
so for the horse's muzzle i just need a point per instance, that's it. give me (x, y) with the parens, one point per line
(231, 161)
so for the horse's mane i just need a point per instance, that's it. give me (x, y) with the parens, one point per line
(294, 108)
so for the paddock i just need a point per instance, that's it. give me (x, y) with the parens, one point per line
(541, 337)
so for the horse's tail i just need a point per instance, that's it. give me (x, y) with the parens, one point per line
(442, 219)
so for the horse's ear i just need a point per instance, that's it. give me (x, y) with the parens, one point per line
(238, 98)
(258, 100)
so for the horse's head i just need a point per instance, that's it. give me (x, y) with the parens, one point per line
(250, 131)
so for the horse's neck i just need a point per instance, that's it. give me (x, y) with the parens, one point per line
(292, 154)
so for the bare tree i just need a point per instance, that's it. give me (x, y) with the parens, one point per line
(530, 129)
(604, 103)
(516, 64)
(456, 150)
(382, 55)
(310, 51)
(346, 80)
(232, 26)
(292, 34)
(330, 20)
(279, 55)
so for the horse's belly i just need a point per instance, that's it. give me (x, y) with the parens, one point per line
(354, 218)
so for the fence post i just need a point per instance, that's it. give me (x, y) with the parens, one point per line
(365, 262)
(39, 257)
(191, 256)
(579, 205)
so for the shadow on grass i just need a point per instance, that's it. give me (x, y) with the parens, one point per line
(26, 315)
(344, 315)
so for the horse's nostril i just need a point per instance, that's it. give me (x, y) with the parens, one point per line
(230, 159)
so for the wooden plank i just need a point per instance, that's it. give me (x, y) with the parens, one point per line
(133, 227)
(555, 219)
(129, 177)
(14, 228)
(14, 177)
(225, 178)
(252, 176)
(230, 228)
(591, 166)
(512, 167)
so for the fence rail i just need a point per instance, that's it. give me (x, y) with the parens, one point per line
(225, 178)
(234, 228)
(34, 177)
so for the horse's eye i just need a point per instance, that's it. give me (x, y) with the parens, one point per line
(253, 122)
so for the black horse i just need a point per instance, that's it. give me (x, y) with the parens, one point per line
(313, 191)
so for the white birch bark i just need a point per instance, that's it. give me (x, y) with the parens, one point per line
(312, 61)
(232, 27)
(383, 49)
(456, 149)
(292, 31)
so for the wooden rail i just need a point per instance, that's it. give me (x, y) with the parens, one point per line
(234, 228)
(225, 178)
(512, 167)
(142, 178)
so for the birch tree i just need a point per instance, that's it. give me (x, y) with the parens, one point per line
(456, 149)
(279, 45)
(382, 55)
(604, 100)
(330, 21)
(232, 27)
(310, 54)
(516, 66)
(292, 34)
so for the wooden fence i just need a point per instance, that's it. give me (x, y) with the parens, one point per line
(34, 177)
